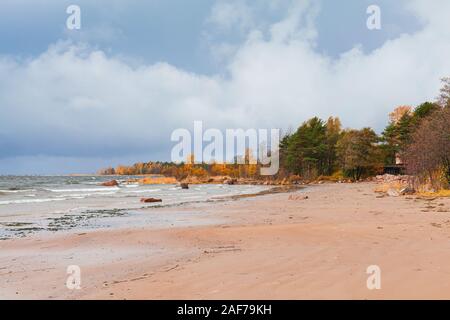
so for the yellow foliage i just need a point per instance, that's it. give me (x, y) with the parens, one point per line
(440, 193)
(198, 172)
(335, 177)
(158, 180)
(396, 185)
(399, 112)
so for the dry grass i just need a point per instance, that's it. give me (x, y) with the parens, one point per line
(395, 185)
(423, 190)
(440, 193)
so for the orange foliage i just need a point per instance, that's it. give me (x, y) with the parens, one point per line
(399, 112)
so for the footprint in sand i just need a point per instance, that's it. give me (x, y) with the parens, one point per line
(436, 225)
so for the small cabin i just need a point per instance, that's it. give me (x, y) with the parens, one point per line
(395, 169)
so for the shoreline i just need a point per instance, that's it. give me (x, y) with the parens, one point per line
(267, 247)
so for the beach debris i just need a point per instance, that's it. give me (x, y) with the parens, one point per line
(436, 225)
(221, 249)
(394, 186)
(112, 183)
(387, 178)
(184, 185)
(393, 193)
(407, 191)
(297, 197)
(150, 200)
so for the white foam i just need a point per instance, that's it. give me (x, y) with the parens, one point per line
(84, 190)
(16, 191)
(31, 201)
(84, 195)
(142, 191)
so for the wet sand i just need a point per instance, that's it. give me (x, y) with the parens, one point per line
(277, 246)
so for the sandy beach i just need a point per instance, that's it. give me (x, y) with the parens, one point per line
(277, 246)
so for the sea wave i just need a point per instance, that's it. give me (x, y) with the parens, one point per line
(24, 201)
(85, 190)
(31, 201)
(84, 195)
(143, 191)
(16, 191)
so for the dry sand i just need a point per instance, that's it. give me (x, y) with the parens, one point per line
(268, 247)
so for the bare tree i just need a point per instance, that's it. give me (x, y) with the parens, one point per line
(444, 98)
(428, 156)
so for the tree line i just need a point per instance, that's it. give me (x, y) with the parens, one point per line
(416, 138)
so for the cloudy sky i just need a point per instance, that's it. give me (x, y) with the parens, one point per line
(113, 91)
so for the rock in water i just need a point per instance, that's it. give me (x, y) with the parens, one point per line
(112, 183)
(230, 181)
(184, 185)
(150, 200)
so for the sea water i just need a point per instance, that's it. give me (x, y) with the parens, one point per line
(30, 204)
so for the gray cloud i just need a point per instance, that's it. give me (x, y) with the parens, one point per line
(77, 102)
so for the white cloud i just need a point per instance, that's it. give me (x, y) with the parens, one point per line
(76, 101)
(231, 15)
(286, 82)
(298, 24)
(99, 33)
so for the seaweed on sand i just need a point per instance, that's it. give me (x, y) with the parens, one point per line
(70, 221)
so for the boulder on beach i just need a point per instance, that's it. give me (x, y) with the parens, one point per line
(150, 200)
(112, 183)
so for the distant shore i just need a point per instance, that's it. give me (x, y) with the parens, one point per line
(315, 242)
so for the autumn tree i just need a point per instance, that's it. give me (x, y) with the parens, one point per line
(332, 136)
(107, 171)
(444, 97)
(428, 156)
(306, 149)
(396, 136)
(358, 152)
